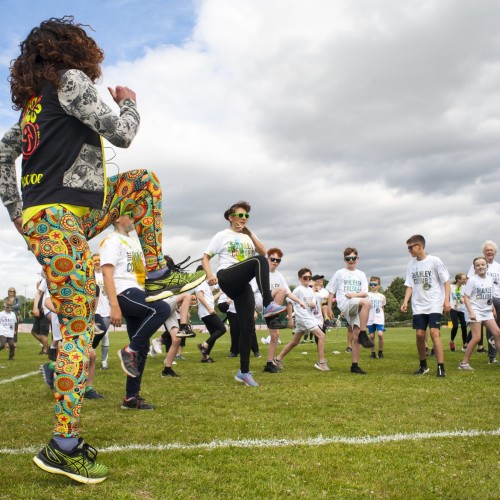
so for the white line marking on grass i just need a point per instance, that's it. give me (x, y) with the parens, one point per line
(276, 443)
(19, 377)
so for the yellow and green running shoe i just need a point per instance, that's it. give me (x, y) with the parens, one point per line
(78, 464)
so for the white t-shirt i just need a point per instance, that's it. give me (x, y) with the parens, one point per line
(7, 324)
(455, 294)
(427, 278)
(346, 281)
(276, 280)
(493, 270)
(306, 295)
(317, 313)
(480, 292)
(323, 294)
(231, 247)
(103, 307)
(125, 254)
(42, 287)
(208, 296)
(376, 316)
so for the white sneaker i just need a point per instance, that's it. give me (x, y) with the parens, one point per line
(465, 366)
(323, 366)
(156, 345)
(264, 340)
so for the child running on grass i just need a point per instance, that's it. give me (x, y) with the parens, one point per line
(478, 297)
(305, 321)
(376, 318)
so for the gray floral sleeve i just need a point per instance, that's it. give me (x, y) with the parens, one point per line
(79, 98)
(10, 149)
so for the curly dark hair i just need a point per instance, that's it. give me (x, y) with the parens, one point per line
(239, 204)
(55, 45)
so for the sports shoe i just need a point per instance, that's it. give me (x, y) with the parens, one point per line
(270, 368)
(321, 366)
(464, 348)
(185, 332)
(329, 324)
(156, 346)
(348, 349)
(78, 464)
(203, 351)
(207, 360)
(232, 355)
(373, 355)
(52, 353)
(465, 366)
(481, 349)
(358, 370)
(264, 340)
(257, 354)
(168, 372)
(440, 372)
(246, 378)
(180, 357)
(452, 347)
(175, 280)
(129, 362)
(272, 309)
(364, 340)
(493, 361)
(93, 394)
(104, 365)
(277, 362)
(136, 403)
(422, 371)
(48, 375)
(380, 355)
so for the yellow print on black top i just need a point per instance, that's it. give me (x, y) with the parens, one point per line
(240, 251)
(351, 285)
(29, 127)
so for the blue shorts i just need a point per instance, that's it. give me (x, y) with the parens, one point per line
(422, 321)
(375, 327)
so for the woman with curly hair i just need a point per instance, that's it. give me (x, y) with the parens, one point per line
(66, 200)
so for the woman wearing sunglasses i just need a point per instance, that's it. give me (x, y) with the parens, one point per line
(236, 248)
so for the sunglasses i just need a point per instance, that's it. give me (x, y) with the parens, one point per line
(241, 215)
(351, 259)
(374, 284)
(274, 259)
(411, 246)
(307, 278)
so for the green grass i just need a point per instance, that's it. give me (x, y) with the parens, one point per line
(207, 405)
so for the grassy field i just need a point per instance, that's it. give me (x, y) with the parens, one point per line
(302, 433)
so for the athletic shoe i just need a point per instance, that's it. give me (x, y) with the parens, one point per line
(180, 357)
(246, 378)
(440, 372)
(48, 375)
(373, 355)
(168, 372)
(232, 355)
(427, 352)
(302, 341)
(311, 341)
(322, 366)
(493, 361)
(136, 403)
(464, 348)
(264, 340)
(207, 360)
(270, 368)
(97, 329)
(174, 281)
(465, 366)
(185, 332)
(277, 362)
(272, 309)
(78, 464)
(104, 365)
(452, 347)
(257, 354)
(52, 353)
(329, 324)
(156, 344)
(129, 362)
(433, 352)
(422, 371)
(380, 355)
(348, 349)
(364, 340)
(93, 394)
(203, 351)
(358, 370)
(481, 349)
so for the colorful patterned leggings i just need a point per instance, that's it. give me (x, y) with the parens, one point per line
(58, 238)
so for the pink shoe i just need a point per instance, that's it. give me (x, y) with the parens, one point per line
(452, 347)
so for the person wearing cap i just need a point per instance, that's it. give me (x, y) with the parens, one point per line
(7, 329)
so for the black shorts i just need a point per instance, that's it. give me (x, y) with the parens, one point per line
(422, 321)
(41, 326)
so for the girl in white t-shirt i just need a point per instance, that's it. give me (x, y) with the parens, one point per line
(238, 265)
(7, 330)
(478, 297)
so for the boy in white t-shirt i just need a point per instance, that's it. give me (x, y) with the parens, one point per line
(376, 318)
(428, 285)
(350, 287)
(8, 321)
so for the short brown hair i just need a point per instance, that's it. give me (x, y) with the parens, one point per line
(276, 251)
(303, 271)
(350, 250)
(239, 204)
(416, 239)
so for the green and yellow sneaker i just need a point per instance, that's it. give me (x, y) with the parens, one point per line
(174, 281)
(78, 464)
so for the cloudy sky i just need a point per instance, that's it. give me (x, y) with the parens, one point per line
(343, 122)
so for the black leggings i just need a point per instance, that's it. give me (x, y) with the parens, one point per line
(458, 317)
(215, 327)
(234, 281)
